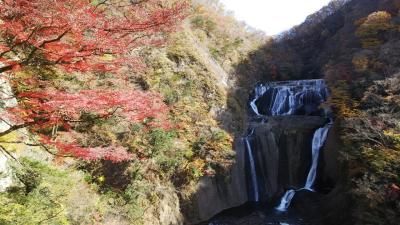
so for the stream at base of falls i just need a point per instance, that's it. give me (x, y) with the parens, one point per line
(250, 215)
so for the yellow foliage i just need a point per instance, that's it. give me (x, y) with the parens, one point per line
(371, 42)
(107, 57)
(371, 29)
(12, 141)
(342, 101)
(360, 63)
(395, 136)
(378, 18)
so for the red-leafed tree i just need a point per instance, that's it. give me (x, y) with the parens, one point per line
(76, 34)
(83, 36)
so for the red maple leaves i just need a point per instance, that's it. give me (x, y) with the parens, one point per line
(84, 36)
(49, 109)
(61, 108)
(113, 153)
(76, 34)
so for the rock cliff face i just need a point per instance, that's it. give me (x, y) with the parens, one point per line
(276, 154)
(6, 100)
(282, 157)
(216, 194)
(282, 149)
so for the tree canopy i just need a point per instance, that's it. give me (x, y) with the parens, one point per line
(77, 36)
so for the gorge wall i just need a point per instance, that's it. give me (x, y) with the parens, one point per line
(354, 46)
(275, 154)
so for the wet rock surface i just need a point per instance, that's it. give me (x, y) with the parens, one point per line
(276, 154)
(282, 149)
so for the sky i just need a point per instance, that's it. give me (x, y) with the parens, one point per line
(273, 16)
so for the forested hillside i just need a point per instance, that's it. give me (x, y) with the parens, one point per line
(113, 111)
(354, 46)
(117, 117)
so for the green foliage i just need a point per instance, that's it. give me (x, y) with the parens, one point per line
(39, 207)
(372, 140)
(182, 74)
(132, 203)
(41, 202)
(161, 140)
(197, 146)
(206, 24)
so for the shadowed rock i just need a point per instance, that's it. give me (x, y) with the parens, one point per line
(282, 156)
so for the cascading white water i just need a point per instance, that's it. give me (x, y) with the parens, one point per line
(287, 98)
(297, 98)
(318, 141)
(286, 200)
(281, 97)
(258, 92)
(252, 169)
(284, 99)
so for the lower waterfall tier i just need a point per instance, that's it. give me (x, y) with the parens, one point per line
(282, 157)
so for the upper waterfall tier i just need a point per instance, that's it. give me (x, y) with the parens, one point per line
(301, 97)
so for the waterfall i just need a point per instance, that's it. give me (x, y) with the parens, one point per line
(252, 169)
(284, 99)
(288, 98)
(318, 141)
(285, 201)
(258, 92)
(283, 117)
